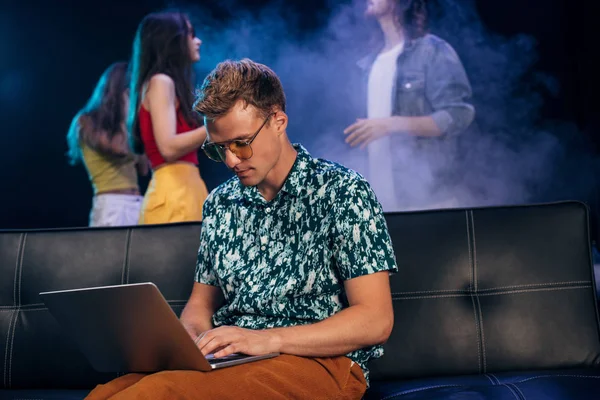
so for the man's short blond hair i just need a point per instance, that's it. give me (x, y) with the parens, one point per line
(254, 83)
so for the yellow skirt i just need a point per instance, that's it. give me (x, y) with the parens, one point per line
(176, 193)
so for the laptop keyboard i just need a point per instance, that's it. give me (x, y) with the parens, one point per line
(231, 357)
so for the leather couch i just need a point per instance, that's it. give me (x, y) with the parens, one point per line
(490, 303)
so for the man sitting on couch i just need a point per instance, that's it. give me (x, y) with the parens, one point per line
(294, 258)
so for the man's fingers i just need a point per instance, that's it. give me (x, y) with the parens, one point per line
(210, 342)
(227, 350)
(199, 338)
(217, 339)
(203, 339)
(211, 346)
(217, 350)
(209, 335)
(215, 346)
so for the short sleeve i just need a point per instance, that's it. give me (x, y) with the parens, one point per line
(361, 241)
(204, 264)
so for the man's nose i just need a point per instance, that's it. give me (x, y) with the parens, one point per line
(231, 160)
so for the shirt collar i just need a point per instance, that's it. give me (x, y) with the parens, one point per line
(296, 183)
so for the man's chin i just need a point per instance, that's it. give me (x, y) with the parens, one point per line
(248, 180)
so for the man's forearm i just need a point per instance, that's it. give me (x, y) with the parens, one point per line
(198, 312)
(416, 126)
(196, 319)
(351, 329)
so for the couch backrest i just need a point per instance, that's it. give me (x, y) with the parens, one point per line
(491, 289)
(35, 352)
(481, 290)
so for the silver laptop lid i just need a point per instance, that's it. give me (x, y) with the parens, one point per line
(125, 328)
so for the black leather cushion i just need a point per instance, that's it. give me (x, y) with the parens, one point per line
(534, 385)
(492, 289)
(36, 353)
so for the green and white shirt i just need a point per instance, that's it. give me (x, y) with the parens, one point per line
(284, 262)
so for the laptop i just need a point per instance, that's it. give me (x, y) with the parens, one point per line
(131, 328)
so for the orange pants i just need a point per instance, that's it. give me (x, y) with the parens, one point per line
(285, 377)
(176, 193)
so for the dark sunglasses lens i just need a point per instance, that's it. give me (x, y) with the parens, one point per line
(242, 150)
(214, 152)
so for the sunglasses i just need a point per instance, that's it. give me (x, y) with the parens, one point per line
(242, 149)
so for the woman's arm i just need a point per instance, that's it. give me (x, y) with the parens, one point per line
(160, 101)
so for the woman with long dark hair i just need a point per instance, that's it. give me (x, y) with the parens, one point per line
(161, 120)
(98, 139)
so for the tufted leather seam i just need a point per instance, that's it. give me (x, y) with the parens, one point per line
(10, 323)
(512, 391)
(474, 251)
(125, 271)
(490, 378)
(10, 354)
(478, 334)
(18, 300)
(557, 376)
(534, 285)
(17, 266)
(494, 294)
(12, 319)
(473, 288)
(418, 390)
(518, 390)
(10, 337)
(481, 330)
(21, 269)
(528, 286)
(129, 235)
(537, 290)
(471, 283)
(494, 377)
(22, 306)
(482, 334)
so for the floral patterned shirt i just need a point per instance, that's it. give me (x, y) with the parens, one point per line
(283, 262)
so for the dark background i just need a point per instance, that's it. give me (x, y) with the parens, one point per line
(51, 56)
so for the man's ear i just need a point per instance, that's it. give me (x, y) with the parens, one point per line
(280, 120)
